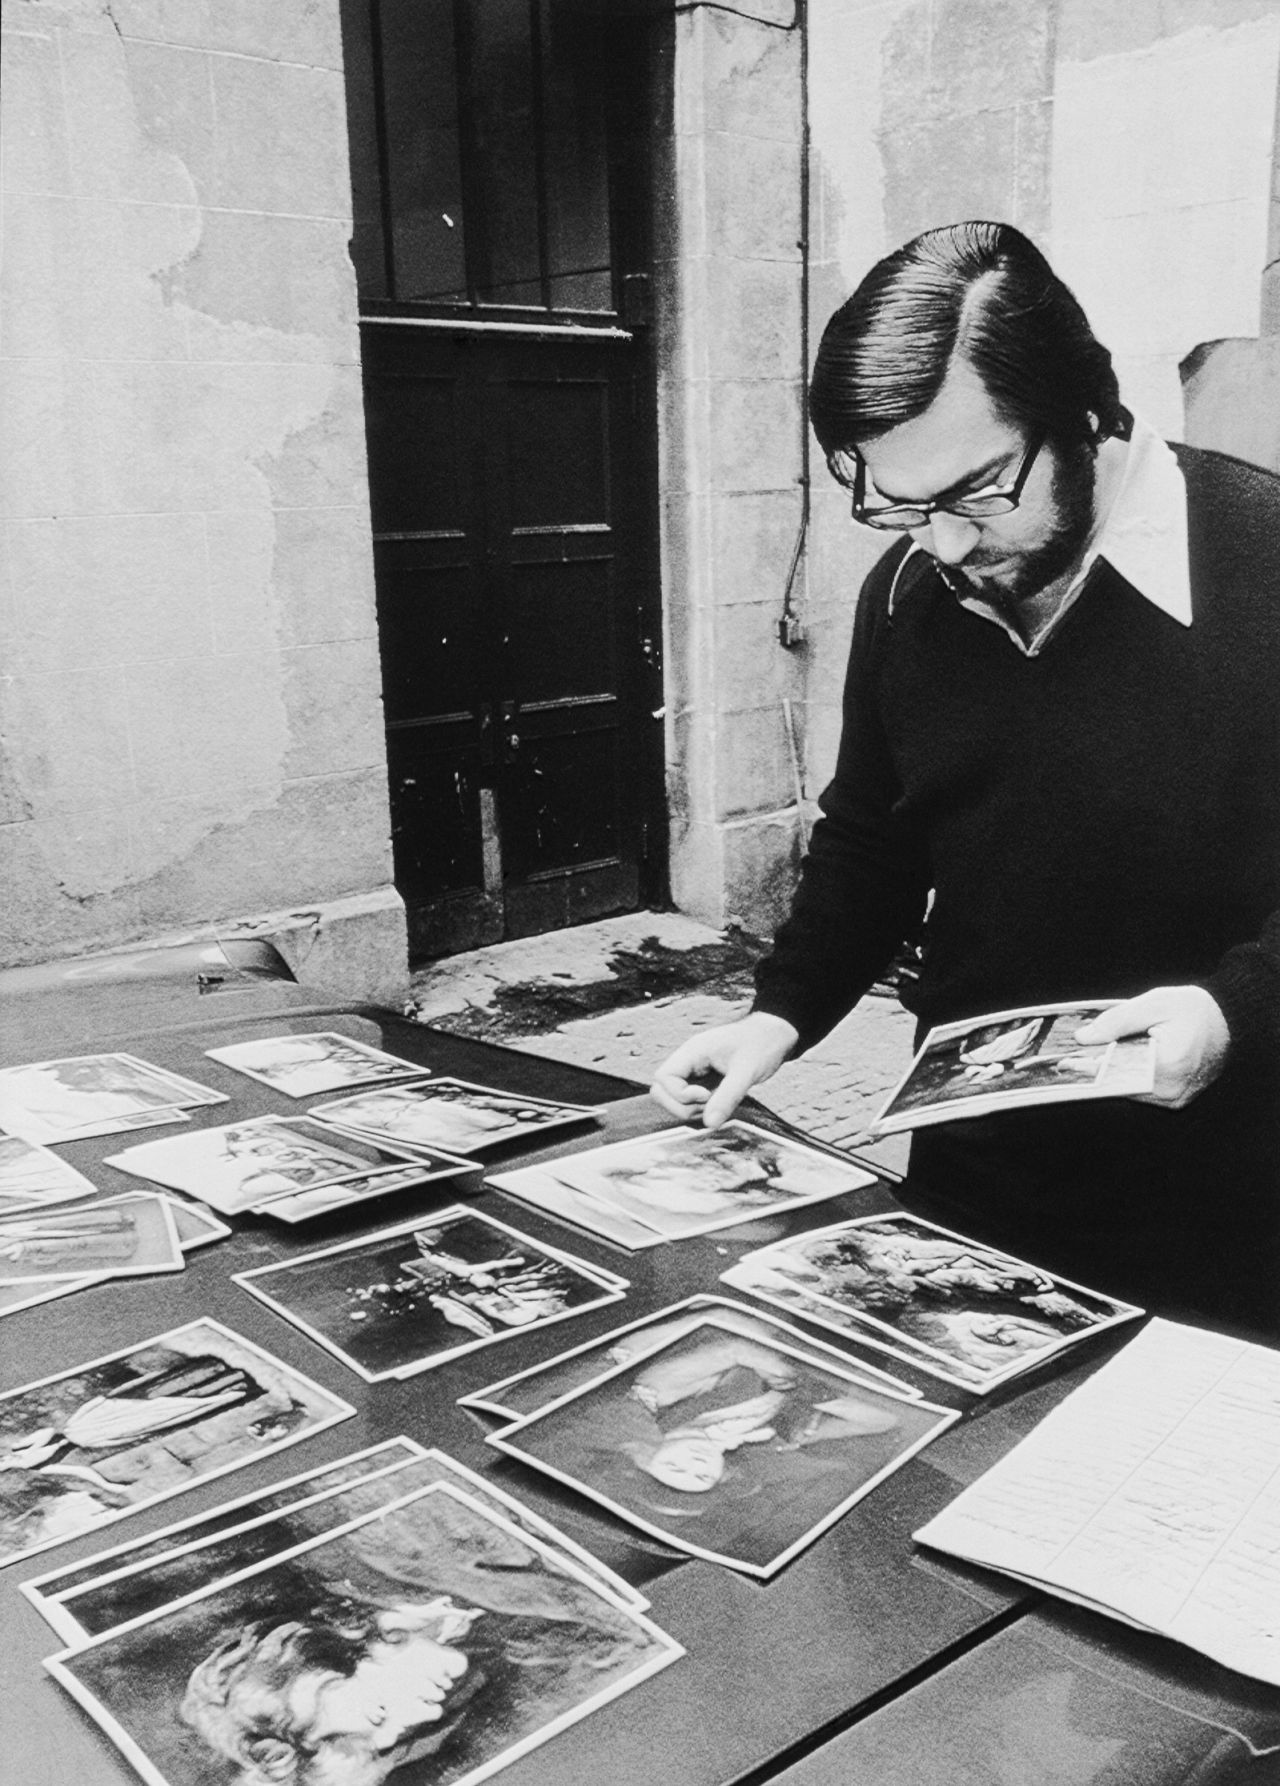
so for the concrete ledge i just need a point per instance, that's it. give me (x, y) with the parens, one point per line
(357, 946)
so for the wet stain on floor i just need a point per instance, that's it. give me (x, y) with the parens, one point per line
(651, 970)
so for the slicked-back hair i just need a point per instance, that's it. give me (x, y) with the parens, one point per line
(979, 291)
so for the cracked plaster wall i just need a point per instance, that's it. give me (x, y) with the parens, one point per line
(190, 713)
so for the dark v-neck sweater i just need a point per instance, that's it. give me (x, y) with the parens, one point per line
(1095, 820)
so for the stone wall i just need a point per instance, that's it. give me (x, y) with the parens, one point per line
(191, 728)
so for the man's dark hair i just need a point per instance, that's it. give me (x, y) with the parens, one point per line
(980, 291)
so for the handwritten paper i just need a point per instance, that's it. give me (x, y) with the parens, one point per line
(1152, 1492)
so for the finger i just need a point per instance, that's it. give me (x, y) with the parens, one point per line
(739, 1077)
(678, 1098)
(1133, 1017)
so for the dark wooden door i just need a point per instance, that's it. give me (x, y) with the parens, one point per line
(511, 486)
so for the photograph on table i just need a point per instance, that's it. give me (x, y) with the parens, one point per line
(303, 1066)
(449, 1113)
(1012, 1059)
(740, 1451)
(535, 1387)
(19, 1296)
(192, 1563)
(94, 1443)
(126, 1236)
(689, 1181)
(31, 1176)
(69, 1580)
(246, 1165)
(433, 1641)
(542, 1188)
(95, 1094)
(438, 1171)
(963, 1311)
(412, 1296)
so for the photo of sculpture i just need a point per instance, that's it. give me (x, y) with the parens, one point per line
(125, 1235)
(244, 1164)
(303, 1066)
(426, 1645)
(448, 1113)
(690, 1181)
(725, 1446)
(93, 1094)
(952, 1297)
(33, 1176)
(414, 1295)
(1010, 1060)
(139, 1425)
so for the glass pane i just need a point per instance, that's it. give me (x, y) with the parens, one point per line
(419, 73)
(505, 171)
(577, 171)
(367, 250)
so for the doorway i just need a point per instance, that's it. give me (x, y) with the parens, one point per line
(498, 167)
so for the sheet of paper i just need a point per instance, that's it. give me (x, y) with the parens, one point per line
(1152, 1491)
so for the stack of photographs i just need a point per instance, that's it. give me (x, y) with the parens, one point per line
(289, 1167)
(1011, 1059)
(51, 1252)
(728, 1436)
(303, 1066)
(682, 1182)
(95, 1443)
(425, 1291)
(950, 1306)
(95, 1094)
(448, 1113)
(470, 1630)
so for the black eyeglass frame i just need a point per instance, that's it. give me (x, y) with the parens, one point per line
(1002, 499)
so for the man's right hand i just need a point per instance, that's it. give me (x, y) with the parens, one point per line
(742, 1053)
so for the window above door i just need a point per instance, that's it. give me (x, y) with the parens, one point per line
(480, 157)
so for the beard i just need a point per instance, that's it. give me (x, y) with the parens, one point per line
(1025, 574)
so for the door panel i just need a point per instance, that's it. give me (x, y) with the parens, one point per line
(515, 581)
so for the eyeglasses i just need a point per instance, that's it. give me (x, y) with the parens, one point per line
(998, 499)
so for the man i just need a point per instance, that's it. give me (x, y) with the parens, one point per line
(1060, 738)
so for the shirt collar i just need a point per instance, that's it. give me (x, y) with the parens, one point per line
(1144, 537)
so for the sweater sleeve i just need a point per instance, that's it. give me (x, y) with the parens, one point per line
(864, 882)
(1246, 988)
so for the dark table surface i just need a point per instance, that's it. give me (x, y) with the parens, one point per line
(865, 1646)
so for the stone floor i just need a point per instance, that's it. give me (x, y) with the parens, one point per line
(621, 994)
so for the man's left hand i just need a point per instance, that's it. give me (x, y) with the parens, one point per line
(1191, 1038)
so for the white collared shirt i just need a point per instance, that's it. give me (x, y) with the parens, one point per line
(1143, 536)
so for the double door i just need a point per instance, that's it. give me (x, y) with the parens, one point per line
(519, 616)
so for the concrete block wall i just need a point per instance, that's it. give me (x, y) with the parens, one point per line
(728, 312)
(191, 728)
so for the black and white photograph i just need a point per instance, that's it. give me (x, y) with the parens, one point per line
(544, 1188)
(433, 1641)
(123, 1236)
(304, 1066)
(448, 1113)
(14, 1297)
(969, 1313)
(539, 1384)
(410, 1297)
(31, 1176)
(194, 1561)
(738, 1450)
(1010, 1060)
(68, 1580)
(91, 1444)
(692, 1181)
(246, 1165)
(429, 1171)
(196, 1225)
(95, 1094)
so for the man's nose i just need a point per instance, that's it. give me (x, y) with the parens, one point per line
(949, 537)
